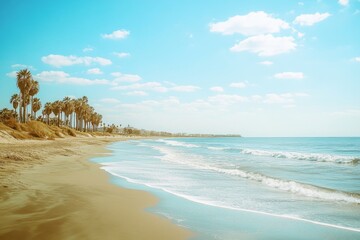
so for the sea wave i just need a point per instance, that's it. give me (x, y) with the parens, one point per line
(177, 143)
(294, 187)
(204, 201)
(320, 157)
(304, 156)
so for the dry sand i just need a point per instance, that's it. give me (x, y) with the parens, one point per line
(49, 190)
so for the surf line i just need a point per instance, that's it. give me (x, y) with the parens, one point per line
(232, 208)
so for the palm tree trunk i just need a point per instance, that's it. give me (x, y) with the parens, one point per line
(24, 113)
(32, 112)
(15, 113)
(20, 115)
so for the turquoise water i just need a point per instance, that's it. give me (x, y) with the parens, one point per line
(247, 188)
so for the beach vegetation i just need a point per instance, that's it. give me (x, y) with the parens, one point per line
(67, 117)
(60, 118)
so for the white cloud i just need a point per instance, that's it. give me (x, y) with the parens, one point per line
(265, 45)
(289, 75)
(310, 19)
(137, 93)
(168, 102)
(357, 59)
(238, 85)
(185, 88)
(300, 3)
(11, 74)
(65, 78)
(217, 89)
(109, 100)
(122, 77)
(152, 86)
(122, 54)
(60, 60)
(227, 99)
(254, 23)
(155, 86)
(118, 34)
(88, 49)
(343, 2)
(300, 35)
(285, 98)
(272, 98)
(266, 63)
(94, 71)
(22, 66)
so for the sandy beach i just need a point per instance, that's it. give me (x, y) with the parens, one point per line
(49, 190)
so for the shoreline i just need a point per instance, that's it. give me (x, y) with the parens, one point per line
(51, 190)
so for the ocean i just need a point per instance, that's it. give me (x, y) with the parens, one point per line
(247, 188)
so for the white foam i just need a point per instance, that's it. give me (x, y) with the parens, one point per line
(293, 186)
(177, 143)
(284, 185)
(217, 204)
(218, 148)
(302, 156)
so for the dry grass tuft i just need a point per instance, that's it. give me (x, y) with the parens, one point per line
(39, 130)
(4, 127)
(70, 132)
(20, 135)
(13, 124)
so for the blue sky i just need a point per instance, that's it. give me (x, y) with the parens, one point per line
(256, 68)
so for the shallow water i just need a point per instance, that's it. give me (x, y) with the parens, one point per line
(252, 188)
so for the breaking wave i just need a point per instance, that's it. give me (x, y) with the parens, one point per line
(294, 187)
(294, 155)
(178, 144)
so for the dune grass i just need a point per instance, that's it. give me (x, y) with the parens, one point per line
(40, 130)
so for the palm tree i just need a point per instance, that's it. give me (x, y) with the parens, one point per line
(95, 120)
(81, 105)
(98, 121)
(72, 112)
(24, 83)
(84, 109)
(33, 91)
(68, 109)
(87, 117)
(56, 107)
(78, 107)
(47, 111)
(36, 105)
(15, 101)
